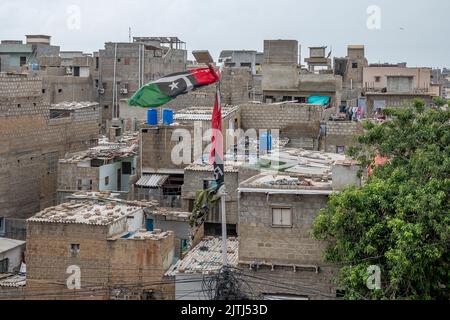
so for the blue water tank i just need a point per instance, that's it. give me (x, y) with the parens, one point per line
(168, 117)
(152, 117)
(265, 142)
(34, 67)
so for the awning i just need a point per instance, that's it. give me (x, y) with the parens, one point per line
(152, 181)
(319, 100)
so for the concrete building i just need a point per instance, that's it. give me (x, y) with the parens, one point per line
(318, 60)
(11, 255)
(104, 239)
(396, 86)
(276, 213)
(111, 166)
(33, 136)
(124, 67)
(283, 79)
(350, 68)
(341, 135)
(298, 122)
(16, 56)
(161, 176)
(242, 58)
(203, 261)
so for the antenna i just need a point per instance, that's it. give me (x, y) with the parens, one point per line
(129, 34)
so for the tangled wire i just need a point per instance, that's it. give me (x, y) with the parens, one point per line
(227, 284)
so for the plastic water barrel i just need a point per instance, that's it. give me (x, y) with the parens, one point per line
(265, 142)
(34, 67)
(168, 117)
(152, 117)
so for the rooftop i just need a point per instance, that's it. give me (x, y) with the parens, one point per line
(202, 113)
(206, 257)
(125, 148)
(171, 215)
(71, 106)
(155, 235)
(98, 212)
(282, 183)
(9, 244)
(230, 167)
(13, 281)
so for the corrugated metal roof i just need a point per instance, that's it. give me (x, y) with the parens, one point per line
(152, 181)
(13, 281)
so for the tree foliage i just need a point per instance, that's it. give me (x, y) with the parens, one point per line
(400, 219)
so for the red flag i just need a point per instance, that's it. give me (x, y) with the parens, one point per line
(216, 157)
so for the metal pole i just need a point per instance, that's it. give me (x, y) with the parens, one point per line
(223, 195)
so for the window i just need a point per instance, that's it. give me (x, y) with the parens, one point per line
(60, 90)
(126, 168)
(377, 79)
(107, 181)
(23, 61)
(97, 63)
(355, 65)
(4, 265)
(96, 83)
(75, 250)
(43, 91)
(2, 226)
(84, 185)
(52, 162)
(282, 217)
(76, 71)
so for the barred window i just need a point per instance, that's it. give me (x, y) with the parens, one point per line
(52, 162)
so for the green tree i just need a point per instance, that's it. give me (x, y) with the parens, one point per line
(400, 219)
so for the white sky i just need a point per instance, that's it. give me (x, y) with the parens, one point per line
(417, 32)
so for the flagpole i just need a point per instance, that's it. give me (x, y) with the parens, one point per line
(223, 195)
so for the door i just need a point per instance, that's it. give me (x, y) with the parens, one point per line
(119, 180)
(150, 225)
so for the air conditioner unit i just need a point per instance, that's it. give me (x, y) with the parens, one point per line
(124, 91)
(101, 91)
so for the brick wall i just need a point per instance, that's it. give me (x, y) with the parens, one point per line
(30, 141)
(259, 241)
(137, 265)
(341, 134)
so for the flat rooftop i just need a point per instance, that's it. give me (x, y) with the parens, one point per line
(156, 235)
(106, 151)
(172, 215)
(202, 113)
(206, 257)
(283, 183)
(72, 106)
(88, 212)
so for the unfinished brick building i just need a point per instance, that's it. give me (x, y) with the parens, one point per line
(105, 240)
(33, 136)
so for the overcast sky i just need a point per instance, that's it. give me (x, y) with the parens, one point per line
(417, 32)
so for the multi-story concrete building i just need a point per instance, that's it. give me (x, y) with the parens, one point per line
(283, 79)
(16, 56)
(396, 86)
(33, 136)
(124, 67)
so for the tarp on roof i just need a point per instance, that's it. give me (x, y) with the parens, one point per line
(319, 100)
(152, 181)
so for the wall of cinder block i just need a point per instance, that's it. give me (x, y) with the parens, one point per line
(105, 264)
(260, 241)
(193, 182)
(341, 134)
(29, 142)
(304, 283)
